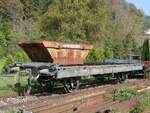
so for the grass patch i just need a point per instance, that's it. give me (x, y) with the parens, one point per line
(7, 84)
(13, 110)
(124, 94)
(143, 105)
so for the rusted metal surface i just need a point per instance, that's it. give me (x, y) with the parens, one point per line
(57, 53)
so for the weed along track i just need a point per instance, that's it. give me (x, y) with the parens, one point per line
(83, 101)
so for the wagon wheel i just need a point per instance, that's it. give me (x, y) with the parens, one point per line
(122, 77)
(71, 85)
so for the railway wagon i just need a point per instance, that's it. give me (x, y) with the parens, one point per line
(53, 61)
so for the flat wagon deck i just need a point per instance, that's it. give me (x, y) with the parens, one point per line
(75, 71)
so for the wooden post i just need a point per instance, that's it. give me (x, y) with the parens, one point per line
(29, 82)
(17, 80)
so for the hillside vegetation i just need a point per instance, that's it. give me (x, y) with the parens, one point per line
(115, 27)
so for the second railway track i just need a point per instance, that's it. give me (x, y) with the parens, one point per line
(78, 101)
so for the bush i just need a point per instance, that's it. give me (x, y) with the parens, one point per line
(2, 64)
(12, 58)
(96, 55)
(17, 57)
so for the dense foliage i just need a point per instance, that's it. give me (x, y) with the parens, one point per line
(115, 27)
(145, 51)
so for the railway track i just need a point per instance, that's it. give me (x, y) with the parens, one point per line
(82, 100)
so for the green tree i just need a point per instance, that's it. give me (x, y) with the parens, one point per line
(146, 52)
(114, 26)
(78, 21)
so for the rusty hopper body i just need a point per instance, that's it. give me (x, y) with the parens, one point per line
(56, 53)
